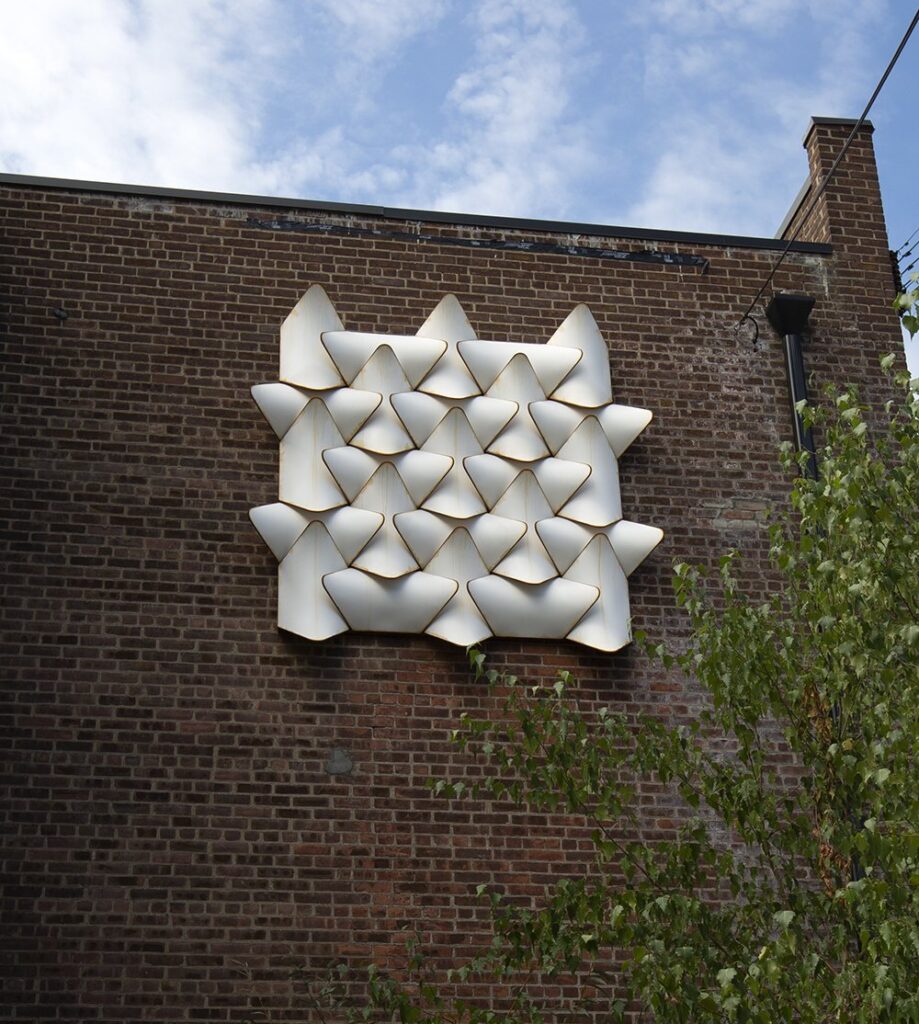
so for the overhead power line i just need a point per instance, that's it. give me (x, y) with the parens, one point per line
(908, 240)
(829, 175)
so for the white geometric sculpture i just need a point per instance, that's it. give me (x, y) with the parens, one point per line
(444, 484)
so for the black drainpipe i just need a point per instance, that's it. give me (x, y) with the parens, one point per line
(788, 314)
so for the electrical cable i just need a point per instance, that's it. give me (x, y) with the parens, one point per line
(829, 175)
(908, 240)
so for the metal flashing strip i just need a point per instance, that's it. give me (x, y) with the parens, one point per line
(429, 216)
(513, 245)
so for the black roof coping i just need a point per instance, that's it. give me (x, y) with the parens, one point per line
(839, 122)
(795, 206)
(431, 216)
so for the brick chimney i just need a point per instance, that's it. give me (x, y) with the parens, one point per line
(849, 214)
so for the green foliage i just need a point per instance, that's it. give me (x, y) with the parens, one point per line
(791, 892)
(907, 306)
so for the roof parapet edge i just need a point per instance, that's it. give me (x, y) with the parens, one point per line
(395, 213)
(796, 205)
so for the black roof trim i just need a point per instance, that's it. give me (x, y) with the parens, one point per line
(839, 122)
(431, 216)
(796, 204)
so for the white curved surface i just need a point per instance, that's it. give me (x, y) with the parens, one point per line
(456, 494)
(280, 404)
(352, 350)
(558, 478)
(564, 540)
(386, 554)
(279, 526)
(544, 611)
(304, 606)
(351, 467)
(383, 432)
(528, 561)
(405, 605)
(606, 625)
(411, 428)
(588, 384)
(597, 502)
(633, 542)
(521, 438)
(422, 472)
(305, 479)
(425, 532)
(491, 475)
(450, 377)
(421, 413)
(557, 422)
(487, 359)
(351, 408)
(304, 359)
(461, 621)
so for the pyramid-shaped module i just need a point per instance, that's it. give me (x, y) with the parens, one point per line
(439, 482)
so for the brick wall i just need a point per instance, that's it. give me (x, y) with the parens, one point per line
(176, 827)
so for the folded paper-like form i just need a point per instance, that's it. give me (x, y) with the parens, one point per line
(443, 484)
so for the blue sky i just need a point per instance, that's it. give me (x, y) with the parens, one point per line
(681, 114)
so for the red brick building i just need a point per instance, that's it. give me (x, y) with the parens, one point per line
(194, 800)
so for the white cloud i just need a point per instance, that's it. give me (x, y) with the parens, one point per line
(514, 143)
(174, 93)
(737, 168)
(112, 90)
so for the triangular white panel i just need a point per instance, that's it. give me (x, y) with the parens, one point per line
(383, 432)
(351, 467)
(492, 475)
(280, 404)
(521, 438)
(597, 502)
(545, 610)
(304, 477)
(422, 413)
(557, 422)
(487, 359)
(352, 350)
(528, 561)
(279, 526)
(461, 621)
(622, 424)
(304, 359)
(606, 624)
(386, 554)
(633, 542)
(391, 458)
(456, 496)
(494, 536)
(450, 376)
(405, 605)
(425, 532)
(303, 604)
(557, 478)
(588, 384)
(564, 540)
(351, 408)
(423, 471)
(351, 529)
